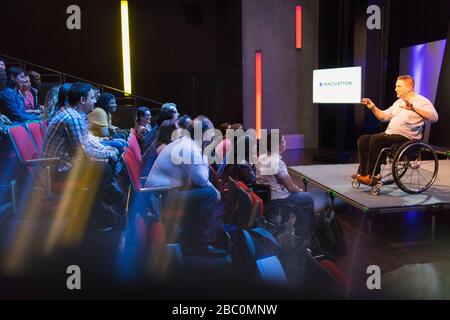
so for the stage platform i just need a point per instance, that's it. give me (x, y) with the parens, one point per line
(336, 180)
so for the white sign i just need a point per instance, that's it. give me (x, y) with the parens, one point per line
(342, 85)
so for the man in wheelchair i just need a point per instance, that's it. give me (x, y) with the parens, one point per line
(406, 121)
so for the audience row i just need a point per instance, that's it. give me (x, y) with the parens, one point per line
(79, 124)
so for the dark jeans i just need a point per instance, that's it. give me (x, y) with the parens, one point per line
(120, 134)
(199, 205)
(370, 146)
(119, 144)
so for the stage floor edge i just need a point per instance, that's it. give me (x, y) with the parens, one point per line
(336, 179)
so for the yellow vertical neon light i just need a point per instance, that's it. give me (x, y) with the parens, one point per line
(126, 47)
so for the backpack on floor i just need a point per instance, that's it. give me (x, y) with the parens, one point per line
(330, 234)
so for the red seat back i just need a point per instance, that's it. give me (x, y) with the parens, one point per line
(243, 186)
(342, 280)
(133, 168)
(258, 204)
(22, 142)
(158, 237)
(37, 132)
(134, 146)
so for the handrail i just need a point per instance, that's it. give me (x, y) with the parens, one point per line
(39, 66)
(63, 76)
(9, 57)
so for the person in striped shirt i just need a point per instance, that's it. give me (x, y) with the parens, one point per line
(67, 135)
(68, 139)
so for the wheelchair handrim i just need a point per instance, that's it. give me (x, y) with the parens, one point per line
(398, 177)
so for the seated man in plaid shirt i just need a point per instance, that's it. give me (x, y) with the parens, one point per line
(67, 139)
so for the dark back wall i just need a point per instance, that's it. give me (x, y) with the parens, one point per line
(36, 31)
(414, 22)
(185, 51)
(440, 135)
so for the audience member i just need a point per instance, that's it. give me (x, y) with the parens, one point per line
(168, 112)
(67, 139)
(12, 103)
(63, 96)
(142, 123)
(165, 136)
(50, 104)
(223, 147)
(272, 171)
(36, 84)
(244, 155)
(181, 165)
(171, 108)
(184, 121)
(100, 120)
(3, 78)
(29, 101)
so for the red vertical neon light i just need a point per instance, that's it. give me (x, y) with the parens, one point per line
(298, 27)
(258, 92)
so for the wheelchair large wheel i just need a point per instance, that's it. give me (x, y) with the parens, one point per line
(415, 167)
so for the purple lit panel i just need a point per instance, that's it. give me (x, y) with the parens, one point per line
(423, 62)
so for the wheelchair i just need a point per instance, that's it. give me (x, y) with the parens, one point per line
(412, 166)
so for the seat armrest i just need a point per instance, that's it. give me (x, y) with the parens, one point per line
(41, 161)
(156, 190)
(91, 160)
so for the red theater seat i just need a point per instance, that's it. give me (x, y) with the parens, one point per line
(158, 239)
(134, 146)
(134, 168)
(24, 146)
(37, 132)
(258, 205)
(340, 277)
